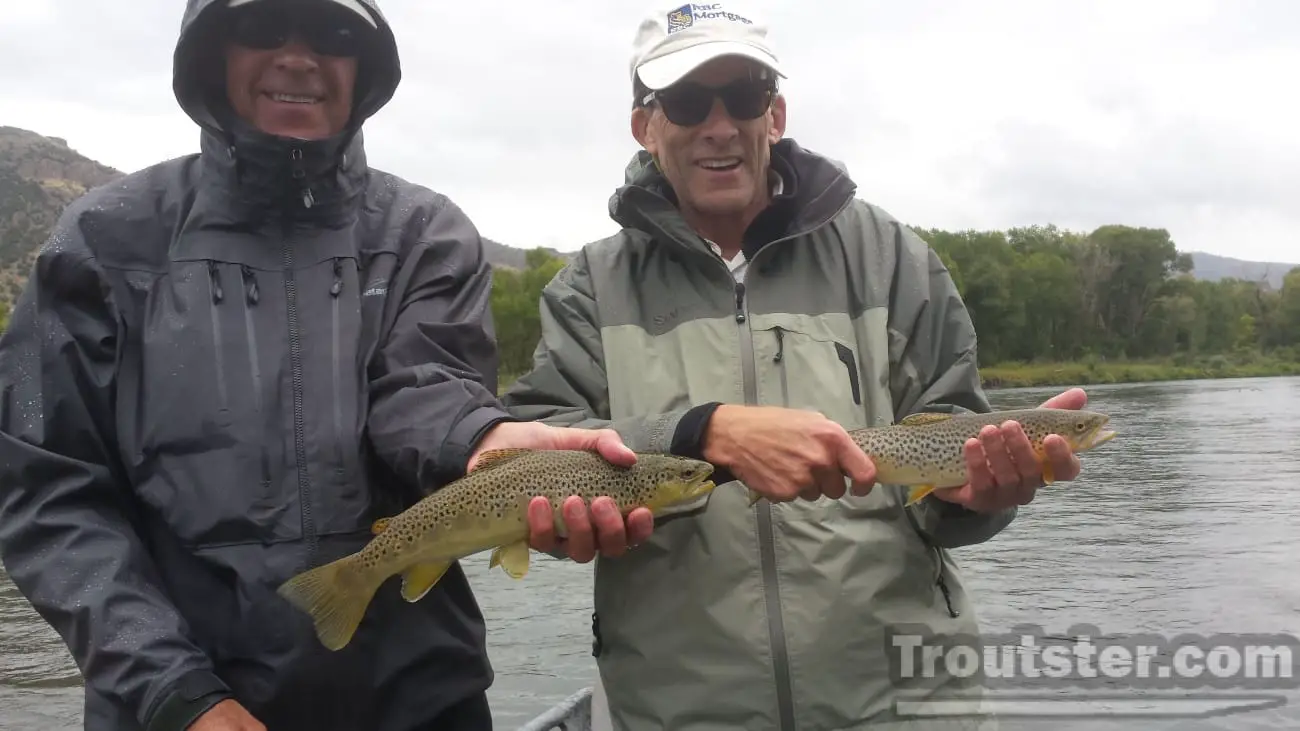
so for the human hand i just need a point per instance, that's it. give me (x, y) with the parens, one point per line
(782, 453)
(536, 435)
(1003, 469)
(227, 715)
(611, 535)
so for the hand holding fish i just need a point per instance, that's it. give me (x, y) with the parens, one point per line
(1004, 471)
(227, 715)
(782, 454)
(612, 536)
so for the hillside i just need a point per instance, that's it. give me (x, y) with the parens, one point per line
(40, 175)
(1212, 267)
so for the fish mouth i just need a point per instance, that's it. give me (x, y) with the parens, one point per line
(1099, 435)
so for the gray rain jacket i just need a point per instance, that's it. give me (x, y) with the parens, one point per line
(224, 367)
(775, 616)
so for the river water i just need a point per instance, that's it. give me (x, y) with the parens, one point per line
(1186, 523)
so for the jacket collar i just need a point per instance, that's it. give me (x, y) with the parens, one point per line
(814, 189)
(260, 175)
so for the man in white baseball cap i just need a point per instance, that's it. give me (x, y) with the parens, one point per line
(751, 311)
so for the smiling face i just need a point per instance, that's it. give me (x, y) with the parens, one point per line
(290, 73)
(717, 161)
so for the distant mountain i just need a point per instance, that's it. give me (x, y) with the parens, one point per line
(40, 175)
(1213, 267)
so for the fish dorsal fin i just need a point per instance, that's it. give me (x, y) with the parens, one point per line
(498, 457)
(924, 417)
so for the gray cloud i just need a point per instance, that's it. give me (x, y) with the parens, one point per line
(991, 114)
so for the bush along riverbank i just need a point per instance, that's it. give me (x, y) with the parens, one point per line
(1243, 364)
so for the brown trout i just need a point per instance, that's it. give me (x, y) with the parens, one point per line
(925, 450)
(488, 508)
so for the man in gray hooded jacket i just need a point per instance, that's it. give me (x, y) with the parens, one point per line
(752, 310)
(223, 369)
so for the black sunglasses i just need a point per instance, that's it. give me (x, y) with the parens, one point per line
(328, 31)
(688, 103)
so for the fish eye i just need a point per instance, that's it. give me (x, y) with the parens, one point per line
(1080, 425)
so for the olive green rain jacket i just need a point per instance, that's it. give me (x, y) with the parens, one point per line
(775, 616)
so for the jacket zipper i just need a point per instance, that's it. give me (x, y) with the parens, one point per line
(336, 288)
(939, 581)
(295, 360)
(766, 542)
(218, 294)
(251, 297)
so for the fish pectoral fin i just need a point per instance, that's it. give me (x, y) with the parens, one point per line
(924, 417)
(498, 457)
(1045, 463)
(420, 578)
(918, 492)
(379, 526)
(512, 558)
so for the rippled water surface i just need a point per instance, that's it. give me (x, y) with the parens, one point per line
(1189, 522)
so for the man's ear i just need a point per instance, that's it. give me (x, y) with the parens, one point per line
(641, 128)
(777, 129)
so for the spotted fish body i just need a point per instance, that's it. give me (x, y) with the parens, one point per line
(486, 509)
(925, 450)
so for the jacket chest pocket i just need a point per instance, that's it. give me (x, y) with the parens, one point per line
(809, 365)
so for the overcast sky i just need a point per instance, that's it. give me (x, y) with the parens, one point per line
(1180, 114)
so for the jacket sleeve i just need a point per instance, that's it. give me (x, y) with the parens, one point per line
(433, 381)
(933, 367)
(568, 385)
(66, 511)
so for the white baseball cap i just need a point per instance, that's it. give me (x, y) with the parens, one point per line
(352, 5)
(675, 39)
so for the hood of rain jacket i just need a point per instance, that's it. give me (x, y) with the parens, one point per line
(223, 369)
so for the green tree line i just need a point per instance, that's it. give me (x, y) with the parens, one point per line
(1043, 295)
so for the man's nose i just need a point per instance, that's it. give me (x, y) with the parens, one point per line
(719, 126)
(295, 55)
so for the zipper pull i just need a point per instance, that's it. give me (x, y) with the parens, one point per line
(214, 274)
(780, 345)
(250, 282)
(337, 286)
(740, 302)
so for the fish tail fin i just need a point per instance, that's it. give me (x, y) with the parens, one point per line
(918, 492)
(336, 596)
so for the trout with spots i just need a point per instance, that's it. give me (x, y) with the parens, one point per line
(925, 451)
(488, 508)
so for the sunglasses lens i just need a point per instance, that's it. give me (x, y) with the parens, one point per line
(260, 29)
(332, 38)
(745, 100)
(687, 104)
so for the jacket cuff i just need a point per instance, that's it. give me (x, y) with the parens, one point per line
(192, 695)
(688, 439)
(691, 434)
(466, 435)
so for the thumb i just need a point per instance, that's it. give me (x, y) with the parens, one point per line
(857, 465)
(611, 447)
(1075, 398)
